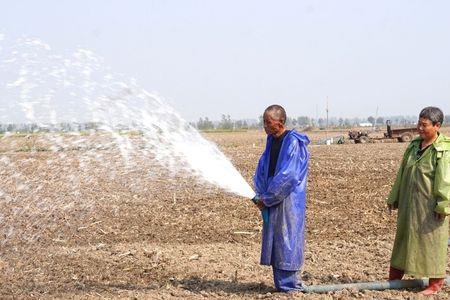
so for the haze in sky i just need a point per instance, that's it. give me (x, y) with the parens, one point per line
(209, 58)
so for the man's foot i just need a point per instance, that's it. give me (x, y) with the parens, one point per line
(395, 274)
(434, 286)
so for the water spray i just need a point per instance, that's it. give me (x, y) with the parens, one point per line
(109, 119)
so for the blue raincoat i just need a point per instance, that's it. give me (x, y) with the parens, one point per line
(284, 195)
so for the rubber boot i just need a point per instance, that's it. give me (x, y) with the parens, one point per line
(434, 286)
(395, 274)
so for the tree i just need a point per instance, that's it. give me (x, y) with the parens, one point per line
(380, 120)
(261, 121)
(447, 119)
(205, 124)
(291, 122)
(10, 128)
(303, 121)
(371, 120)
(199, 123)
(226, 123)
(241, 124)
(322, 123)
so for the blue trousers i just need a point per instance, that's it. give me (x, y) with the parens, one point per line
(287, 281)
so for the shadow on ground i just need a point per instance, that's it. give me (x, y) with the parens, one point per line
(197, 284)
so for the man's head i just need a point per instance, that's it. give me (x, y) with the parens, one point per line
(274, 120)
(430, 121)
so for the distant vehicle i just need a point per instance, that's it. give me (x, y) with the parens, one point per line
(359, 136)
(401, 134)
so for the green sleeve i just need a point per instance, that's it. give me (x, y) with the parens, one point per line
(442, 184)
(393, 195)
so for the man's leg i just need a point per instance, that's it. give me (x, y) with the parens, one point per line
(287, 281)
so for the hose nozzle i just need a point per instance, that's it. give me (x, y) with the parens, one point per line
(264, 211)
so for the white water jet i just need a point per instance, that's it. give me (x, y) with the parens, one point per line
(46, 88)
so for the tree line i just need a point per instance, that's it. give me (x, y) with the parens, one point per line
(226, 123)
(59, 127)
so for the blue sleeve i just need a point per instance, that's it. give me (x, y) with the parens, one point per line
(258, 179)
(292, 170)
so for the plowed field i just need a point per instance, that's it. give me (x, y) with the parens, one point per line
(94, 232)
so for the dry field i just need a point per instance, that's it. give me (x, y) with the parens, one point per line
(105, 231)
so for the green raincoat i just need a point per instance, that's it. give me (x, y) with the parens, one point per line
(422, 187)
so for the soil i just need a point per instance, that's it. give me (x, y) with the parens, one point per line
(106, 230)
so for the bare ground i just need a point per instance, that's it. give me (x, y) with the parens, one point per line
(103, 231)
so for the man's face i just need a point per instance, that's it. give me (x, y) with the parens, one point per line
(426, 128)
(272, 126)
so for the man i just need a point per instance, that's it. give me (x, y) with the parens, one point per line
(422, 194)
(280, 183)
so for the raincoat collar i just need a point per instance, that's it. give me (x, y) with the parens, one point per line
(293, 134)
(441, 143)
(290, 134)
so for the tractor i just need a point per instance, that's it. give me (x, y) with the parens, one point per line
(401, 134)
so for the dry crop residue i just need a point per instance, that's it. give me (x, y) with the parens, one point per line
(102, 234)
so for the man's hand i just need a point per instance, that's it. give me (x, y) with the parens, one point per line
(260, 204)
(439, 217)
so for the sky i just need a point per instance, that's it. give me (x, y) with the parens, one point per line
(208, 58)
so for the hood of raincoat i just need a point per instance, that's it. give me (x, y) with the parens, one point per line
(442, 143)
(293, 134)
